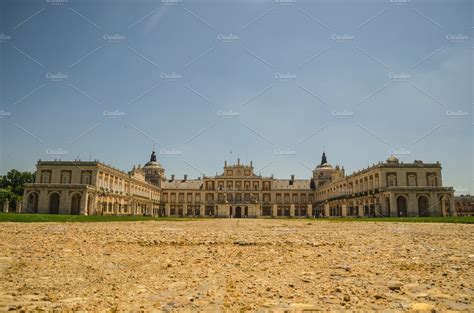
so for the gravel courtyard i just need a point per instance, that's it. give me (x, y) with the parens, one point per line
(232, 264)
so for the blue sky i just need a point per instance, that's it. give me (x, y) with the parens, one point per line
(272, 82)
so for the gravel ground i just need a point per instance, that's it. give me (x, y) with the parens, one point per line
(231, 264)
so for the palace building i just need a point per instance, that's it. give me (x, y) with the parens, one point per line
(390, 188)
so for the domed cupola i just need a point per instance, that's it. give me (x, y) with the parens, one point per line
(153, 170)
(393, 160)
(324, 162)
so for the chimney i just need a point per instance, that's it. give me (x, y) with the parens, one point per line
(292, 177)
(185, 177)
(172, 177)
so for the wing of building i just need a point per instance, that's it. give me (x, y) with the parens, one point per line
(389, 188)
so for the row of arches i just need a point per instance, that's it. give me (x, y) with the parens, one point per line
(54, 200)
(423, 205)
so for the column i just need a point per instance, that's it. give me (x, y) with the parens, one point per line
(202, 210)
(435, 210)
(43, 203)
(393, 205)
(412, 205)
(344, 210)
(83, 205)
(65, 202)
(309, 210)
(258, 209)
(19, 206)
(360, 210)
(6, 206)
(327, 210)
(167, 209)
(274, 210)
(452, 206)
(292, 210)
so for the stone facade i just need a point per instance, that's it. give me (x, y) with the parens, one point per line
(388, 188)
(464, 205)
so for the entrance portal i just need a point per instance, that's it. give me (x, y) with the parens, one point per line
(54, 203)
(238, 212)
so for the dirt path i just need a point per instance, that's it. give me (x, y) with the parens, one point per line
(236, 264)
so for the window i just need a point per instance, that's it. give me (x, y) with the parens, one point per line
(46, 177)
(391, 179)
(65, 177)
(86, 178)
(432, 180)
(411, 179)
(229, 173)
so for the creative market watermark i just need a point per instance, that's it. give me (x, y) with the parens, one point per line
(170, 152)
(399, 2)
(56, 77)
(457, 38)
(57, 151)
(342, 38)
(285, 1)
(4, 114)
(4, 38)
(284, 152)
(115, 38)
(399, 76)
(342, 114)
(457, 114)
(228, 114)
(171, 2)
(399, 152)
(228, 37)
(285, 76)
(113, 114)
(170, 76)
(57, 2)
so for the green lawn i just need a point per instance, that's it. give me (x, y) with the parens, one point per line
(31, 218)
(34, 218)
(451, 219)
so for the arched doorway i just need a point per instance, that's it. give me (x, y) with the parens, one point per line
(76, 204)
(423, 206)
(33, 202)
(387, 206)
(54, 203)
(238, 212)
(401, 206)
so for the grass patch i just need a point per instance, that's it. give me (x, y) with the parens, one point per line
(59, 218)
(35, 218)
(438, 219)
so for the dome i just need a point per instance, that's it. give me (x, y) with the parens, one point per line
(325, 166)
(324, 163)
(392, 159)
(153, 163)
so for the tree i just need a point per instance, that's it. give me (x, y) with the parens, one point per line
(15, 181)
(7, 195)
